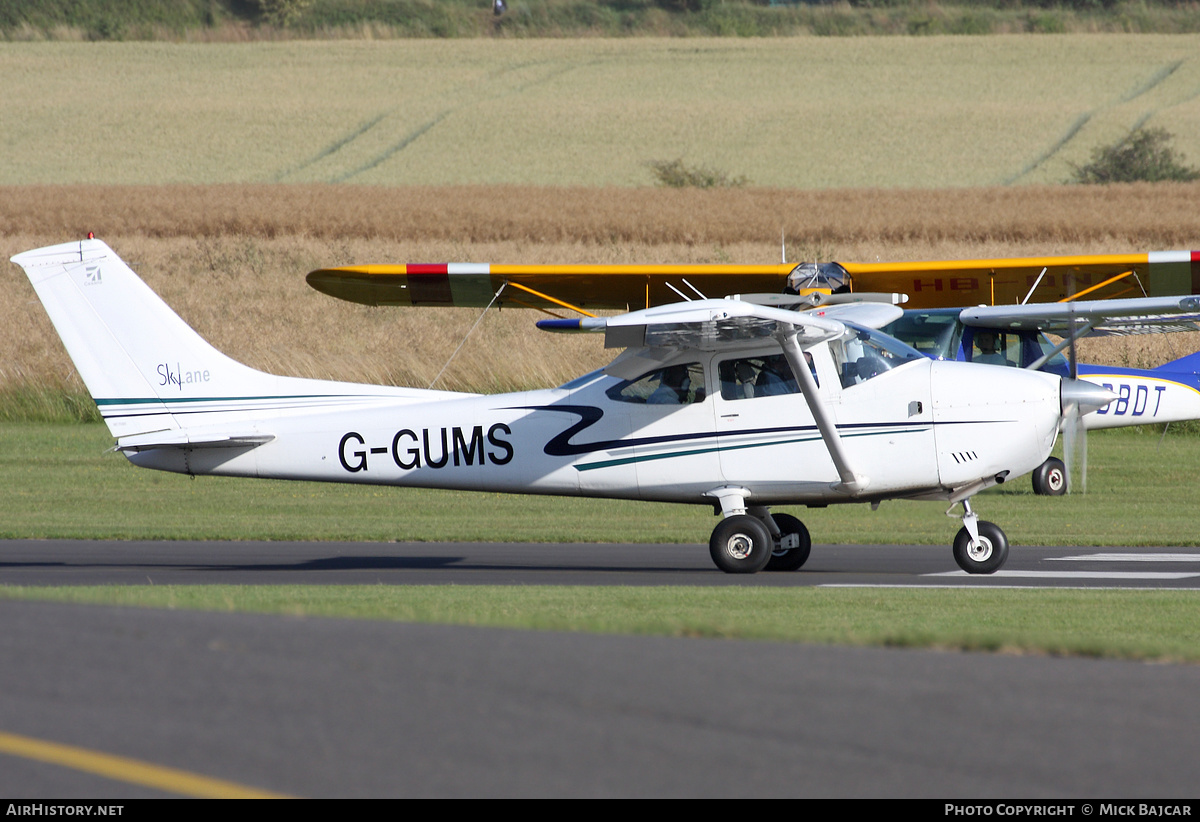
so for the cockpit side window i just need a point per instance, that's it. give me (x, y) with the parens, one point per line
(749, 377)
(995, 348)
(681, 384)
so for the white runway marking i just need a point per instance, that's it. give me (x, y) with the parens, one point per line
(1076, 574)
(1129, 557)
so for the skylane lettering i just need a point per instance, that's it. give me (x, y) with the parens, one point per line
(179, 378)
(431, 448)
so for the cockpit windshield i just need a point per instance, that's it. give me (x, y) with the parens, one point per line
(935, 333)
(1057, 364)
(863, 353)
(938, 334)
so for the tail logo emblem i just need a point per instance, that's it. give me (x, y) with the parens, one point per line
(91, 275)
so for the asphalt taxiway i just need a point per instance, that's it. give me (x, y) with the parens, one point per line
(167, 700)
(82, 562)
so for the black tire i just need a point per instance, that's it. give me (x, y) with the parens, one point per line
(1050, 478)
(990, 555)
(741, 545)
(791, 559)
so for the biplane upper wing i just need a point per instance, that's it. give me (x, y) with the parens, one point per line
(928, 284)
(1009, 281)
(590, 287)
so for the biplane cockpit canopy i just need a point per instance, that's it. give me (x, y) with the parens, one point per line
(829, 277)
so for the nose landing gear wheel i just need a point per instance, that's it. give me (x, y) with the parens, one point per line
(789, 559)
(741, 545)
(985, 558)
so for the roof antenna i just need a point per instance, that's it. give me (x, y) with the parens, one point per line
(782, 248)
(1036, 283)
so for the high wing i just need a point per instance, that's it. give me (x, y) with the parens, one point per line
(929, 284)
(1149, 315)
(652, 335)
(702, 324)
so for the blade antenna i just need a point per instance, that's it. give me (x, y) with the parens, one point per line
(698, 291)
(1036, 283)
(682, 296)
(470, 331)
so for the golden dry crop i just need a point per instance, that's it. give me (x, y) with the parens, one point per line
(231, 259)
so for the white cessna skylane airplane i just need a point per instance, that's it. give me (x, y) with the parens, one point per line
(739, 403)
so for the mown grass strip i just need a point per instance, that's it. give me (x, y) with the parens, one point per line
(60, 482)
(1144, 625)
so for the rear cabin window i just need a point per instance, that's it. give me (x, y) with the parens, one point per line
(673, 385)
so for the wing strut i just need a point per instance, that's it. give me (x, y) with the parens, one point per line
(470, 331)
(851, 482)
(1109, 281)
(546, 297)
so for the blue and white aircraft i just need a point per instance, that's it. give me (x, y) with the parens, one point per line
(1015, 336)
(736, 403)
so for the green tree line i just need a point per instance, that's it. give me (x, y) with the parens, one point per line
(166, 19)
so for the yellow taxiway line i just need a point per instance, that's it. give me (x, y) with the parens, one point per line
(132, 771)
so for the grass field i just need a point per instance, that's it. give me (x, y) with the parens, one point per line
(1143, 625)
(783, 112)
(1141, 491)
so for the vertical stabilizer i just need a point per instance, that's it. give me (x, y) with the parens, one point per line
(140, 361)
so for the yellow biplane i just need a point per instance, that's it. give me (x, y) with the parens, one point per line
(931, 284)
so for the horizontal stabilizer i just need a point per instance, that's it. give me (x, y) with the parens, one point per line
(1189, 364)
(181, 439)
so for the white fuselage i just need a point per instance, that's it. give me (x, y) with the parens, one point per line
(925, 429)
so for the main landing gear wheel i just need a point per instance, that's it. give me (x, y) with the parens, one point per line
(741, 544)
(1050, 478)
(789, 559)
(985, 558)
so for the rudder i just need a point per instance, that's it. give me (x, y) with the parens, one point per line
(134, 353)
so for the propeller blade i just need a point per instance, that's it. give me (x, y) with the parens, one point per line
(1074, 434)
(1075, 449)
(1071, 347)
(1079, 397)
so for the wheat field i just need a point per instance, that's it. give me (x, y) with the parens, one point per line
(804, 112)
(232, 259)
